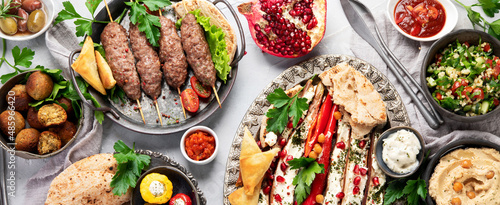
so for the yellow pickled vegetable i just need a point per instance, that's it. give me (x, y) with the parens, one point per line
(156, 188)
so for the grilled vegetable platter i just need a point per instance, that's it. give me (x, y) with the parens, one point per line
(157, 67)
(320, 149)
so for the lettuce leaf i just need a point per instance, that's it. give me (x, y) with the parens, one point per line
(216, 43)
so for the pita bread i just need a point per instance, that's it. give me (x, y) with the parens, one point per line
(85, 187)
(86, 66)
(239, 197)
(86, 182)
(105, 74)
(356, 94)
(254, 167)
(216, 18)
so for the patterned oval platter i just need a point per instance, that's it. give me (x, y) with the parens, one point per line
(299, 74)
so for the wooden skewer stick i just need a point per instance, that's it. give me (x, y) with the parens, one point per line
(109, 13)
(216, 96)
(158, 111)
(140, 110)
(182, 104)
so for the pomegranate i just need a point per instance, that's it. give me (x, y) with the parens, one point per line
(286, 28)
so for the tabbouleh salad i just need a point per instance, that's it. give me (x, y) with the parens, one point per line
(464, 78)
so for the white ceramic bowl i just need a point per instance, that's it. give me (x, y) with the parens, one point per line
(449, 25)
(49, 11)
(189, 132)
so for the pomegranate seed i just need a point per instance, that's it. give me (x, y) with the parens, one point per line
(340, 145)
(312, 23)
(257, 27)
(356, 169)
(295, 203)
(340, 195)
(357, 180)
(308, 11)
(282, 153)
(283, 167)
(306, 18)
(282, 142)
(269, 171)
(280, 179)
(277, 197)
(271, 177)
(288, 158)
(267, 189)
(362, 144)
(375, 181)
(355, 190)
(363, 171)
(259, 143)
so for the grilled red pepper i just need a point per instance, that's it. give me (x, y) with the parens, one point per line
(319, 183)
(324, 113)
(180, 199)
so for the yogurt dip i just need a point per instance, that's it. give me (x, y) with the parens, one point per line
(400, 151)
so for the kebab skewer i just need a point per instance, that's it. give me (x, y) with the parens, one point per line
(114, 39)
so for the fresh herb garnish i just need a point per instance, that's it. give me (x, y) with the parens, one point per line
(130, 166)
(83, 25)
(6, 6)
(412, 189)
(146, 22)
(117, 94)
(22, 58)
(308, 170)
(490, 7)
(284, 107)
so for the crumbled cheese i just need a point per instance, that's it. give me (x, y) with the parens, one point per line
(271, 139)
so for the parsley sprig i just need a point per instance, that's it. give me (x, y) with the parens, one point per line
(412, 189)
(83, 25)
(147, 23)
(308, 170)
(22, 58)
(490, 8)
(284, 107)
(130, 166)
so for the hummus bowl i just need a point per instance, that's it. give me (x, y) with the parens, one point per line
(474, 177)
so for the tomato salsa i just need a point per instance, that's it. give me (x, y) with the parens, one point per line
(420, 18)
(200, 145)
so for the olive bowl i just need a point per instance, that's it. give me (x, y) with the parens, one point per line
(464, 35)
(180, 183)
(50, 12)
(8, 145)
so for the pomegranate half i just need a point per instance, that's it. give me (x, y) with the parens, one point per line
(286, 28)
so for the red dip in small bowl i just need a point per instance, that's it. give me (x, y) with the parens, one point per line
(200, 145)
(420, 18)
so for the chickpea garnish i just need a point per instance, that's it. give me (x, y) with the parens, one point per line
(321, 138)
(319, 198)
(457, 186)
(490, 174)
(466, 163)
(313, 155)
(456, 201)
(317, 148)
(471, 194)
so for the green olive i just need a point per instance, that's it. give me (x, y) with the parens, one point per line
(36, 21)
(8, 26)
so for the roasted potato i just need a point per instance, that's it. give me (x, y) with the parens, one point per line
(48, 142)
(66, 131)
(39, 85)
(19, 98)
(27, 140)
(52, 115)
(32, 119)
(11, 121)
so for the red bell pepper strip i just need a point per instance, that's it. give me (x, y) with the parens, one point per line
(324, 113)
(319, 183)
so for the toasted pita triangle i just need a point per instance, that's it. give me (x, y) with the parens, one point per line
(86, 66)
(248, 145)
(254, 167)
(239, 197)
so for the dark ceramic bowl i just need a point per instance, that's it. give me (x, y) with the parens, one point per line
(379, 148)
(8, 145)
(180, 184)
(467, 143)
(465, 35)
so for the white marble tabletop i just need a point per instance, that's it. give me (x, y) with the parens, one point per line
(255, 71)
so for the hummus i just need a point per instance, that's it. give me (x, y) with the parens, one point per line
(482, 179)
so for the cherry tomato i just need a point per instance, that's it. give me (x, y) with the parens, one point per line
(496, 70)
(496, 102)
(190, 100)
(439, 96)
(202, 91)
(478, 96)
(456, 85)
(180, 199)
(487, 47)
(469, 90)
